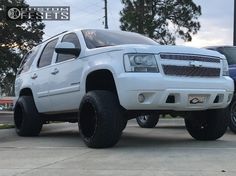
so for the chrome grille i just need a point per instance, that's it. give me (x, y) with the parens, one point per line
(173, 70)
(190, 57)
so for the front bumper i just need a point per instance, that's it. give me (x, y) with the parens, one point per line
(158, 92)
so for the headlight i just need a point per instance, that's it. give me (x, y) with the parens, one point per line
(140, 63)
(225, 68)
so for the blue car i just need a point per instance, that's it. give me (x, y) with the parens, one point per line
(230, 53)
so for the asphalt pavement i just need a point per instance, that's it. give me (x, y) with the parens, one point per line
(166, 150)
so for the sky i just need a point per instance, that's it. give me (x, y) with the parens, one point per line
(216, 19)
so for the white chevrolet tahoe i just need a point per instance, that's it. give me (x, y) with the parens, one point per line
(102, 78)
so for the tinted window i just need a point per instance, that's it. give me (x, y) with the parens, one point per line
(46, 56)
(72, 38)
(27, 61)
(102, 38)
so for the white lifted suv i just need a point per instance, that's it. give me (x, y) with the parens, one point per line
(102, 78)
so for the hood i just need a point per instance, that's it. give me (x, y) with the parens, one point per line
(176, 49)
(155, 49)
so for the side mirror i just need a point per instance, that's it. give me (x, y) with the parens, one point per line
(67, 48)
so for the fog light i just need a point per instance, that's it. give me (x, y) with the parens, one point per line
(141, 98)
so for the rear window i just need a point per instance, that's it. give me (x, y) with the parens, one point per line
(101, 38)
(27, 60)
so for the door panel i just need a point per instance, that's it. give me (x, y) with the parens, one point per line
(64, 84)
(40, 88)
(41, 75)
(64, 87)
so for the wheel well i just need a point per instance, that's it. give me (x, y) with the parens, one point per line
(101, 80)
(26, 92)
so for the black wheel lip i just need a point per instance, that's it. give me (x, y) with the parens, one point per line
(233, 113)
(86, 138)
(19, 105)
(28, 127)
(107, 135)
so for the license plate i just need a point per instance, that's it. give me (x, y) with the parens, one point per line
(196, 99)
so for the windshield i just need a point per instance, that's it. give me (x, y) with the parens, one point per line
(230, 54)
(101, 38)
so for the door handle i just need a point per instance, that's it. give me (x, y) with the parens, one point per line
(34, 76)
(55, 71)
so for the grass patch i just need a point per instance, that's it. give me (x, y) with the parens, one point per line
(6, 126)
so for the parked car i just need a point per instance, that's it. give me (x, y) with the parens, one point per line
(102, 78)
(230, 53)
(1, 108)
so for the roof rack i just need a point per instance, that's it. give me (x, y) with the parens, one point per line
(54, 36)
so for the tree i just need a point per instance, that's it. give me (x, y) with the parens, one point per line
(162, 20)
(16, 38)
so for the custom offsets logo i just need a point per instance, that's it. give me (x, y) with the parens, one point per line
(60, 13)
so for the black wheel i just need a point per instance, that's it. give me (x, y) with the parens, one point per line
(148, 121)
(26, 117)
(100, 119)
(207, 125)
(124, 124)
(232, 121)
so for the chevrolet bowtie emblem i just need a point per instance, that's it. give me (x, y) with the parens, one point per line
(195, 64)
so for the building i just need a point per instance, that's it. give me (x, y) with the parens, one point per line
(6, 102)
